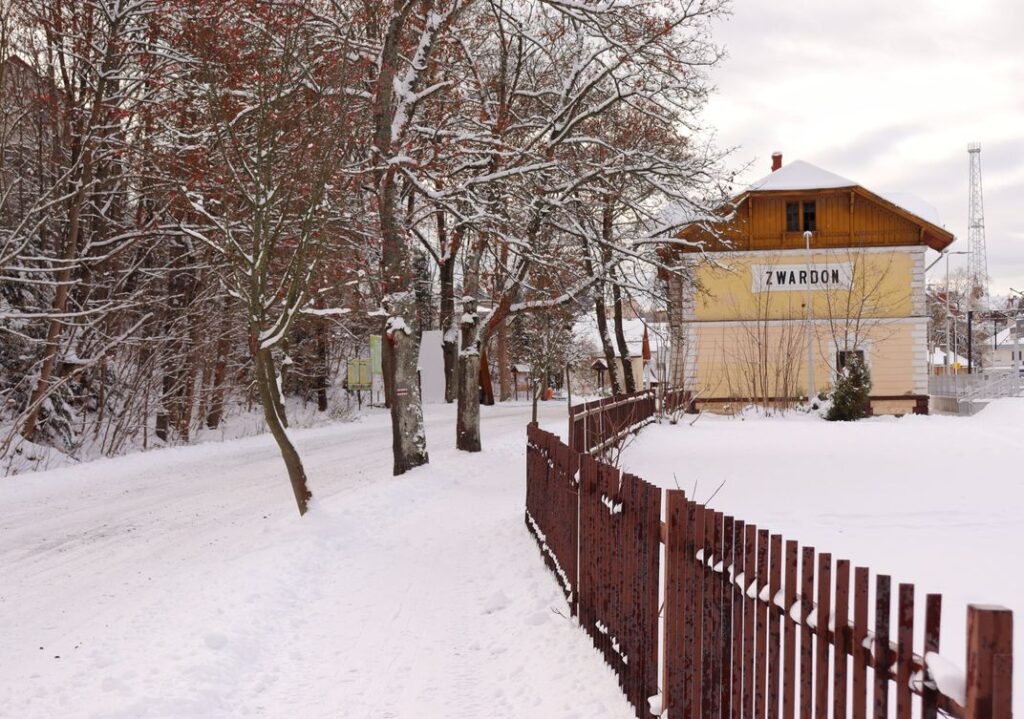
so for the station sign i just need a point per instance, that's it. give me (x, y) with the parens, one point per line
(800, 277)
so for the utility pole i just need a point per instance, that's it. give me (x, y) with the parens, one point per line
(811, 389)
(970, 341)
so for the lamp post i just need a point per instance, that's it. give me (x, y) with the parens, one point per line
(811, 389)
(949, 322)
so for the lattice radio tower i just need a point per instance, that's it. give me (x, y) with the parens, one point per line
(978, 267)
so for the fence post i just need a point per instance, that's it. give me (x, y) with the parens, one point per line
(989, 662)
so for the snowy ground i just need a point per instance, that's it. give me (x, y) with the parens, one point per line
(937, 501)
(181, 583)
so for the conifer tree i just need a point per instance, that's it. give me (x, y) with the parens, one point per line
(850, 396)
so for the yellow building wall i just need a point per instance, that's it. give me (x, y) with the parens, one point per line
(752, 359)
(743, 337)
(872, 283)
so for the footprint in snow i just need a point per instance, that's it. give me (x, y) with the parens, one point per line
(215, 641)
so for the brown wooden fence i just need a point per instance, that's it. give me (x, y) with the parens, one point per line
(753, 625)
(596, 425)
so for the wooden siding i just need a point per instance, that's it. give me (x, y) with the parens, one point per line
(850, 217)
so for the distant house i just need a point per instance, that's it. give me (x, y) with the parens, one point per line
(645, 370)
(1006, 352)
(741, 325)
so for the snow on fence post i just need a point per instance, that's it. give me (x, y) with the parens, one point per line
(989, 662)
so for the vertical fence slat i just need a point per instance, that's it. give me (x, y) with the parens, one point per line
(727, 631)
(880, 647)
(720, 588)
(842, 638)
(717, 588)
(739, 555)
(696, 646)
(904, 650)
(789, 634)
(806, 636)
(822, 646)
(675, 600)
(989, 662)
(708, 693)
(932, 629)
(861, 580)
(774, 632)
(761, 618)
(749, 614)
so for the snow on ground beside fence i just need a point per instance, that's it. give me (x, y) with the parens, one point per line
(182, 583)
(936, 501)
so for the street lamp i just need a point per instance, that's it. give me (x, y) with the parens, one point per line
(811, 389)
(949, 314)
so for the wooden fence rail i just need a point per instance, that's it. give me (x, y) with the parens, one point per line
(596, 425)
(754, 626)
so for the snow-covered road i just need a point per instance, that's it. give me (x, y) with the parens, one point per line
(181, 583)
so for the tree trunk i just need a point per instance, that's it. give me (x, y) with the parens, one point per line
(266, 382)
(219, 374)
(606, 343)
(401, 355)
(486, 386)
(322, 379)
(449, 332)
(504, 370)
(62, 278)
(620, 338)
(467, 427)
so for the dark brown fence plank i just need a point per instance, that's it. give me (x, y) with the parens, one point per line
(675, 599)
(708, 654)
(739, 557)
(749, 616)
(842, 639)
(717, 588)
(774, 630)
(904, 650)
(789, 671)
(697, 683)
(822, 644)
(806, 635)
(880, 646)
(761, 619)
(727, 632)
(861, 579)
(932, 629)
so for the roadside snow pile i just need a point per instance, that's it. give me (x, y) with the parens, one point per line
(181, 583)
(937, 501)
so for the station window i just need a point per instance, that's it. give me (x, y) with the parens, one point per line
(844, 357)
(792, 217)
(810, 224)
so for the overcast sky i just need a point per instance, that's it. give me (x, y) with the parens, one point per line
(887, 93)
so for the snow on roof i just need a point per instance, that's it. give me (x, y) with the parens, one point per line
(521, 368)
(800, 175)
(1007, 337)
(914, 205)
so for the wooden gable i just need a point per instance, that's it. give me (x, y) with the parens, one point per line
(845, 217)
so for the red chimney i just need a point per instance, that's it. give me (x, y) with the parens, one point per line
(776, 161)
